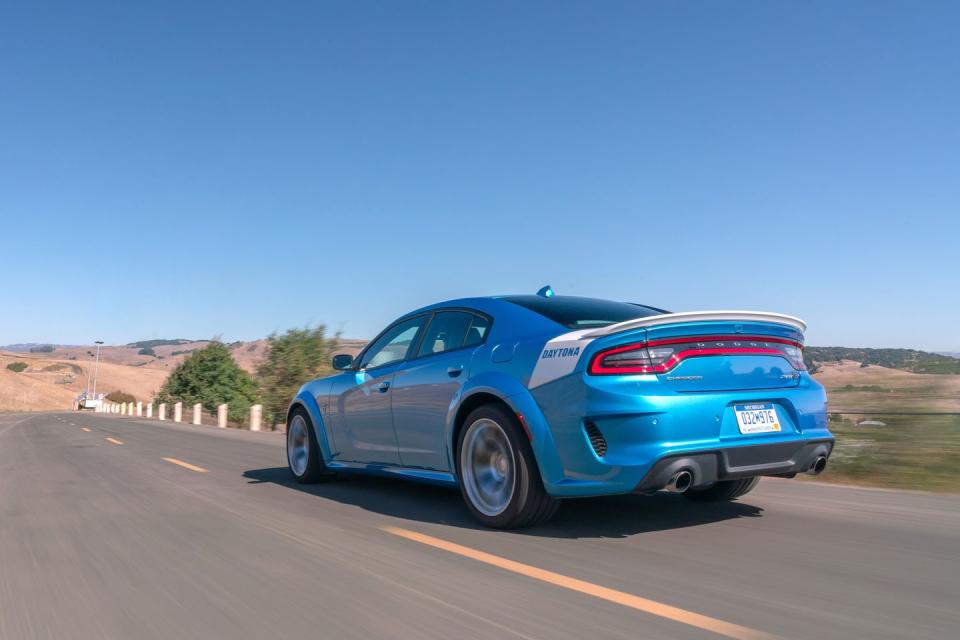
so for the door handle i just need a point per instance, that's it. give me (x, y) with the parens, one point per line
(453, 372)
(383, 387)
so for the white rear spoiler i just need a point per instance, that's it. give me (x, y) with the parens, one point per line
(699, 316)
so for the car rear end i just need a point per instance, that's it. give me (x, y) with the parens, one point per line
(682, 401)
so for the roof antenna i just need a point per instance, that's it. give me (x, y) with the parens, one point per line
(546, 292)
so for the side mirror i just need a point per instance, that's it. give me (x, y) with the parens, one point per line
(342, 361)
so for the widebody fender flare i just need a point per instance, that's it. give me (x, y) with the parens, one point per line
(515, 395)
(306, 400)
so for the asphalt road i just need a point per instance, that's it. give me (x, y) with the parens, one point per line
(104, 533)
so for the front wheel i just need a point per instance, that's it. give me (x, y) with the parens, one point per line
(723, 490)
(498, 474)
(303, 453)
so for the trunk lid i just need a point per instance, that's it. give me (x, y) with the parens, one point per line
(731, 351)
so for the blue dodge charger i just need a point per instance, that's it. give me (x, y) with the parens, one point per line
(523, 400)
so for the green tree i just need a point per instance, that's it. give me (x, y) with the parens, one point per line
(293, 358)
(210, 376)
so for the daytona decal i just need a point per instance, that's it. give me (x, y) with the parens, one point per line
(559, 357)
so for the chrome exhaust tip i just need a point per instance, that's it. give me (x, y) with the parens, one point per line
(818, 466)
(679, 482)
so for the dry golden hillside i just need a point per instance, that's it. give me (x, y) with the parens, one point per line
(167, 356)
(53, 380)
(54, 383)
(853, 387)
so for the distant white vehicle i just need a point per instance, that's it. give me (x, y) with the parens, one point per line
(84, 402)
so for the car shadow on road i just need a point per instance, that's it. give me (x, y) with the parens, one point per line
(607, 517)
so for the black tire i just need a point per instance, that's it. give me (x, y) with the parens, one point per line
(529, 503)
(724, 490)
(314, 470)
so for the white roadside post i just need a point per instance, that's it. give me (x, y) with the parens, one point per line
(256, 415)
(139, 408)
(162, 411)
(123, 408)
(149, 409)
(178, 412)
(129, 408)
(197, 408)
(222, 416)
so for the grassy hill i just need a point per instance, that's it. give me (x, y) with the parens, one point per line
(904, 359)
(47, 382)
(52, 378)
(162, 342)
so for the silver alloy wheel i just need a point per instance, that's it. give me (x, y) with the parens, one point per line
(488, 467)
(298, 445)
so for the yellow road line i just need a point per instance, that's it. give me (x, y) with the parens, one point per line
(113, 440)
(87, 429)
(186, 465)
(653, 607)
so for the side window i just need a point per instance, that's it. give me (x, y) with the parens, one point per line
(477, 331)
(393, 345)
(447, 330)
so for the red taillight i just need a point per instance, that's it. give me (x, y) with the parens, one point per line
(660, 356)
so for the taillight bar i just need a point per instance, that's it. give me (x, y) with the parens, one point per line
(660, 356)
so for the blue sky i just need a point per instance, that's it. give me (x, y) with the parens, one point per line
(186, 169)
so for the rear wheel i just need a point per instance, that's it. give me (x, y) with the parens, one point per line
(498, 474)
(723, 490)
(303, 453)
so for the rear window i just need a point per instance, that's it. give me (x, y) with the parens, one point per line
(584, 313)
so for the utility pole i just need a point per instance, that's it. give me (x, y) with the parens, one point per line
(96, 368)
(89, 375)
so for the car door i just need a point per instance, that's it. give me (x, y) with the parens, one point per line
(425, 386)
(364, 426)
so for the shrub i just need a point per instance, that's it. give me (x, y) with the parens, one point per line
(157, 343)
(17, 367)
(120, 397)
(292, 359)
(210, 376)
(147, 351)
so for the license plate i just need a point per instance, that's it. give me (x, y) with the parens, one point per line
(757, 418)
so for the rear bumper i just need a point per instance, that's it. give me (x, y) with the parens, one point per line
(707, 467)
(617, 435)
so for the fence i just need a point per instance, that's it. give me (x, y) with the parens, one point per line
(196, 414)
